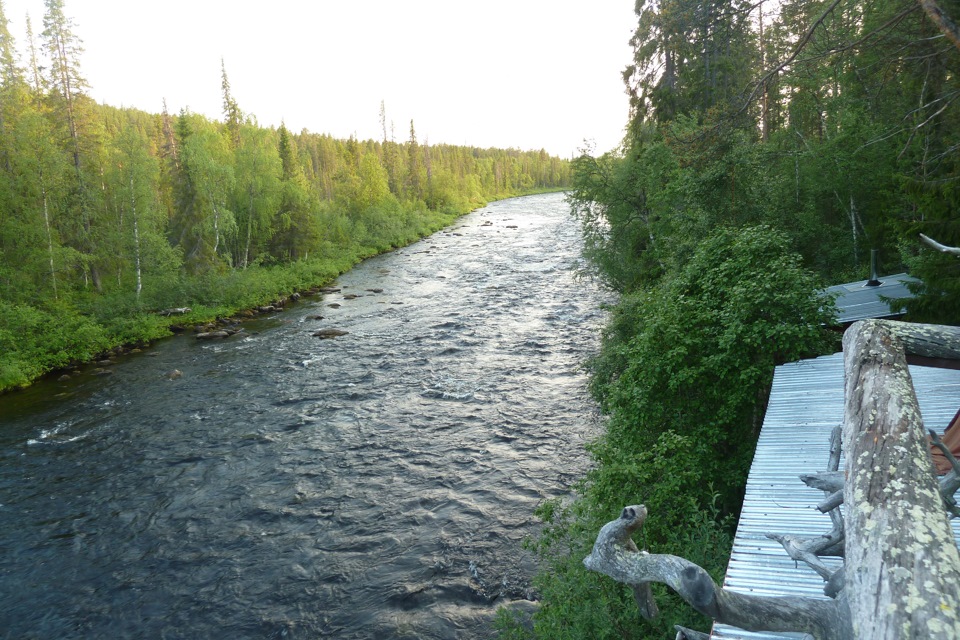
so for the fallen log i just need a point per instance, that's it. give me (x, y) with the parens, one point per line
(176, 311)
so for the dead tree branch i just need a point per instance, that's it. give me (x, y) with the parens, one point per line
(612, 556)
(940, 247)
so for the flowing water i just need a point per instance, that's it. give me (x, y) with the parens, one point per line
(374, 485)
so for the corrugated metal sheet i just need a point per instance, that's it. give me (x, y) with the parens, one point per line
(856, 301)
(806, 402)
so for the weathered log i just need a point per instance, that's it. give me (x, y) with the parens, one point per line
(902, 568)
(612, 556)
(926, 340)
(828, 481)
(176, 311)
(689, 634)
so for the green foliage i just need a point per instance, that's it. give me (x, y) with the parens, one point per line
(695, 355)
(109, 214)
(34, 340)
(683, 375)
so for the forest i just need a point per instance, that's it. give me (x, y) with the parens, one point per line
(109, 215)
(770, 147)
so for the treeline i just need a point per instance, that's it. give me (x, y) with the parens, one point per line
(771, 146)
(109, 214)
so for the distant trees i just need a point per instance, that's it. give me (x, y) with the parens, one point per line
(143, 210)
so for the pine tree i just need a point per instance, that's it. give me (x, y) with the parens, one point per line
(414, 167)
(232, 116)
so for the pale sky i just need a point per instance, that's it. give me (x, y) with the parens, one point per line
(527, 74)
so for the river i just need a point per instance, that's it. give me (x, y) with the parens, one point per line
(375, 485)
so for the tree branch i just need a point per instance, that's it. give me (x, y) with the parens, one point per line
(944, 22)
(940, 247)
(611, 556)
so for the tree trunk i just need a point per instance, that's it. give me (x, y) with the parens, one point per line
(136, 235)
(901, 561)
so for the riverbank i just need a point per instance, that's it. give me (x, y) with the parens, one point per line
(57, 336)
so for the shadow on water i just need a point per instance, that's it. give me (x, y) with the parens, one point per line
(378, 484)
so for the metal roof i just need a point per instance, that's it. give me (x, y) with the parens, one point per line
(806, 402)
(857, 301)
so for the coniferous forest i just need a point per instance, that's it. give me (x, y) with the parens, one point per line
(770, 147)
(108, 215)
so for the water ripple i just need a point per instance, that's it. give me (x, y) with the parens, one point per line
(375, 485)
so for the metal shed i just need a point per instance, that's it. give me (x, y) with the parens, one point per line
(806, 402)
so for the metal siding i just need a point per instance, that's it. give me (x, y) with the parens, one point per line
(806, 402)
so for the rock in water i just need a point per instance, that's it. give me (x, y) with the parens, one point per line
(212, 335)
(326, 334)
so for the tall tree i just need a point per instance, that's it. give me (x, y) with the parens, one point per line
(63, 49)
(71, 109)
(256, 192)
(232, 115)
(414, 166)
(205, 179)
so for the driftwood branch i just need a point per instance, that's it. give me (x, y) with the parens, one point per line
(828, 481)
(810, 550)
(940, 247)
(612, 556)
(176, 311)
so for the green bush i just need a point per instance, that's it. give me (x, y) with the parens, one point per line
(683, 375)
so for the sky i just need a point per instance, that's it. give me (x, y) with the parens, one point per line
(525, 74)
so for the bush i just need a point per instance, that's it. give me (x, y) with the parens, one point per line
(683, 375)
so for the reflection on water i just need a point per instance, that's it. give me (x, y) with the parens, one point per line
(378, 484)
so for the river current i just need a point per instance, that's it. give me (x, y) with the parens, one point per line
(374, 485)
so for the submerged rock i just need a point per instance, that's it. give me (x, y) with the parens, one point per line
(326, 334)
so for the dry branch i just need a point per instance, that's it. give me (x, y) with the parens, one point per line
(940, 247)
(613, 557)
